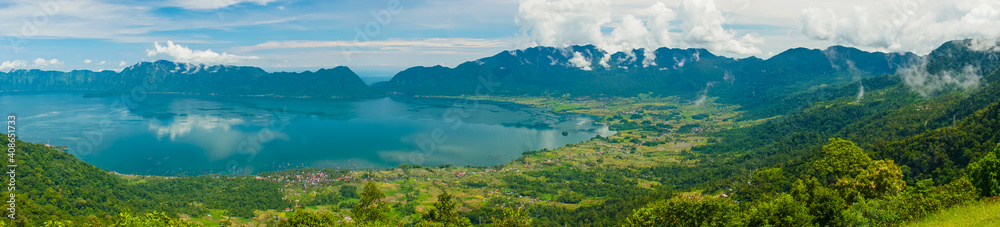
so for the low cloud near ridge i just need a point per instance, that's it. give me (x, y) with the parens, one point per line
(692, 23)
(184, 54)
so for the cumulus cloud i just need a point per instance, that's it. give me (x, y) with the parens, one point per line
(185, 55)
(122, 64)
(562, 23)
(15, 64)
(702, 25)
(88, 61)
(214, 4)
(42, 63)
(905, 25)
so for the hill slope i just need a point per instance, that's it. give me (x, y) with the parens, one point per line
(54, 185)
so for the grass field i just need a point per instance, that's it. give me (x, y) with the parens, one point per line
(983, 213)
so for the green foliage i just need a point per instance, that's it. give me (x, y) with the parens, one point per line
(916, 202)
(782, 211)
(410, 196)
(678, 211)
(879, 179)
(371, 208)
(512, 217)
(688, 128)
(824, 204)
(242, 195)
(982, 213)
(57, 186)
(443, 213)
(324, 197)
(154, 219)
(349, 191)
(569, 197)
(309, 218)
(840, 158)
(985, 174)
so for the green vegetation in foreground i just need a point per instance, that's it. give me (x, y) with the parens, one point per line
(983, 213)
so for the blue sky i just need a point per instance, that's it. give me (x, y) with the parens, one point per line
(297, 35)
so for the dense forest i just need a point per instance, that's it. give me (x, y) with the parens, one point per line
(54, 185)
(835, 137)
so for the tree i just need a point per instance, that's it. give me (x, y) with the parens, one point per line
(154, 219)
(985, 174)
(443, 213)
(705, 211)
(349, 191)
(324, 197)
(570, 197)
(308, 218)
(840, 158)
(782, 211)
(371, 208)
(512, 217)
(824, 204)
(881, 178)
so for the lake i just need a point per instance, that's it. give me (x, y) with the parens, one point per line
(161, 134)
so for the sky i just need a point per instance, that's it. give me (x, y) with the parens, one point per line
(377, 38)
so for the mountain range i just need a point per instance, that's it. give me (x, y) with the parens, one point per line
(170, 77)
(693, 74)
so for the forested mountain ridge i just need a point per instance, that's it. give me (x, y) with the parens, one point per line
(166, 76)
(588, 71)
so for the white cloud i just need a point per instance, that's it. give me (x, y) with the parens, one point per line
(185, 55)
(928, 84)
(395, 43)
(88, 61)
(986, 45)
(580, 61)
(16, 64)
(563, 22)
(702, 25)
(42, 63)
(102, 62)
(122, 64)
(579, 22)
(659, 22)
(213, 4)
(905, 25)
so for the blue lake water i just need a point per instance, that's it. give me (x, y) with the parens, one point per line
(160, 134)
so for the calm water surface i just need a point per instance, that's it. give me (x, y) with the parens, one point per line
(177, 134)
